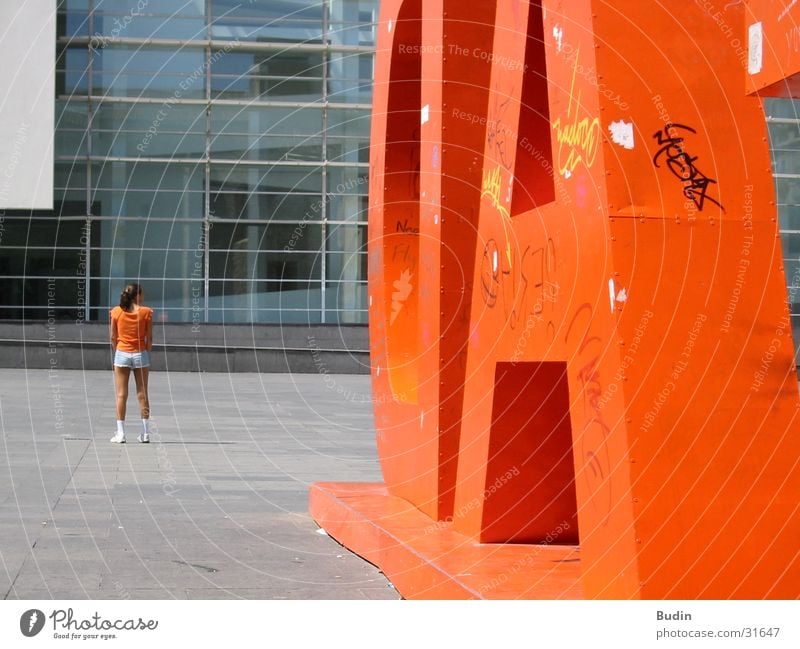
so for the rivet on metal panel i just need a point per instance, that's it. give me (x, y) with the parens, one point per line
(621, 343)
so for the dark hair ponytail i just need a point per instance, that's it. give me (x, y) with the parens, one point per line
(128, 296)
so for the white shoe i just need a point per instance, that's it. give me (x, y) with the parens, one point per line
(119, 438)
(144, 438)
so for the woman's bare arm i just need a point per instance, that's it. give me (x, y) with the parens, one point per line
(112, 332)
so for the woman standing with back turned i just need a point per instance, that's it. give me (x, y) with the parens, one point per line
(131, 339)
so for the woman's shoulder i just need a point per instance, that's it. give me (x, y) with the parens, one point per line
(146, 311)
(115, 311)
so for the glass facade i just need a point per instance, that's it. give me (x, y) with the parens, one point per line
(215, 150)
(783, 121)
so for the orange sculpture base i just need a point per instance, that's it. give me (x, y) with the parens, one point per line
(579, 327)
(425, 559)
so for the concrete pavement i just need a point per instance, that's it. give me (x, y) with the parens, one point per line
(214, 507)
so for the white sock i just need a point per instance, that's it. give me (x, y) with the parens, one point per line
(121, 426)
(146, 426)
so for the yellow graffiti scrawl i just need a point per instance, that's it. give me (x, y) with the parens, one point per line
(491, 188)
(578, 139)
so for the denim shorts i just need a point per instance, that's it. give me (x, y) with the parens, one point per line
(131, 359)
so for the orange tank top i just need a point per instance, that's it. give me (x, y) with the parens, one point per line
(132, 328)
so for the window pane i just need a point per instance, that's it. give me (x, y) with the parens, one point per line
(265, 20)
(43, 298)
(148, 204)
(261, 120)
(126, 24)
(147, 84)
(181, 7)
(350, 77)
(277, 207)
(346, 302)
(349, 121)
(162, 144)
(276, 178)
(146, 263)
(72, 71)
(275, 237)
(788, 190)
(789, 217)
(283, 270)
(42, 233)
(171, 299)
(348, 208)
(149, 175)
(187, 63)
(247, 147)
(73, 24)
(175, 118)
(280, 75)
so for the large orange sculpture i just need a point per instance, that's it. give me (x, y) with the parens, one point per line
(582, 356)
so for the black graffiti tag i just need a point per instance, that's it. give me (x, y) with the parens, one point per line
(682, 165)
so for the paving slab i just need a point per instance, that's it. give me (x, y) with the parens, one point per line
(215, 507)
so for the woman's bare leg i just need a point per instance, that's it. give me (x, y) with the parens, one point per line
(121, 377)
(140, 375)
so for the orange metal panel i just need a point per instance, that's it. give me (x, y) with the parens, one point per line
(769, 49)
(578, 311)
